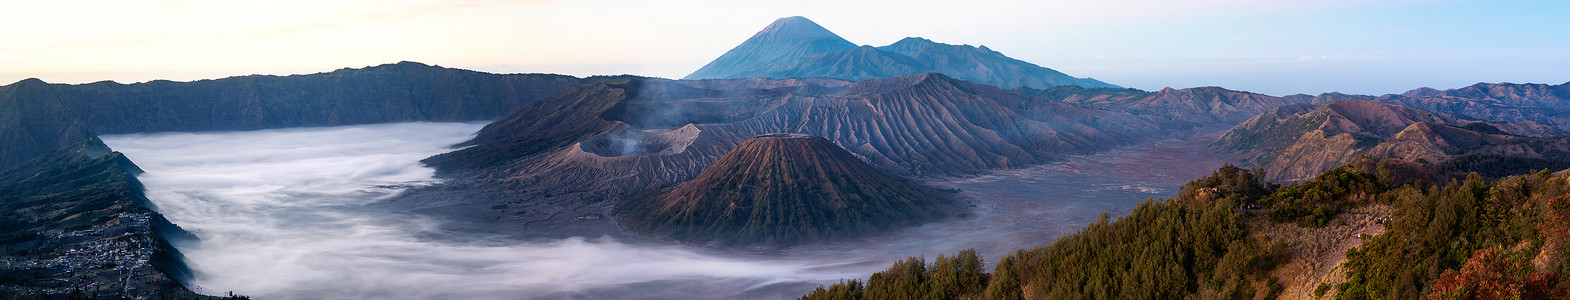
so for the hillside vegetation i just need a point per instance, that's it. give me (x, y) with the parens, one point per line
(1456, 238)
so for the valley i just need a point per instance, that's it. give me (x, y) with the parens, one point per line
(797, 164)
(276, 222)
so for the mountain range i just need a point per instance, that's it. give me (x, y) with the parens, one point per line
(1296, 142)
(611, 140)
(37, 117)
(795, 47)
(798, 136)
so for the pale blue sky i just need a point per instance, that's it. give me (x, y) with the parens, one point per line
(1272, 47)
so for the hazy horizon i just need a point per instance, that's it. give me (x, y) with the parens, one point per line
(1276, 48)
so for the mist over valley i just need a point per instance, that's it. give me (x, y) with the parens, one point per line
(293, 214)
(801, 165)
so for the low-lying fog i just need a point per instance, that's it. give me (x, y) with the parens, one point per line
(283, 214)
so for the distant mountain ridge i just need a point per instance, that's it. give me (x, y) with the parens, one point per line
(795, 47)
(1299, 141)
(1197, 106)
(36, 117)
(1507, 102)
(1529, 109)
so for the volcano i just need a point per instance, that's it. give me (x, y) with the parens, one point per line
(779, 190)
(785, 40)
(795, 47)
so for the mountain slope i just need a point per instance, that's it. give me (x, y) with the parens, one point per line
(787, 39)
(783, 190)
(627, 137)
(924, 124)
(983, 65)
(794, 47)
(78, 204)
(35, 120)
(1199, 106)
(1503, 102)
(1297, 141)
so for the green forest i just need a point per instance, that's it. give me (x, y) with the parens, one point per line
(1463, 237)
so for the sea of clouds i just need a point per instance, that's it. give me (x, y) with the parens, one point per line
(282, 214)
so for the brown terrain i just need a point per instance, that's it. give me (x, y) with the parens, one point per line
(782, 190)
(1507, 102)
(1296, 142)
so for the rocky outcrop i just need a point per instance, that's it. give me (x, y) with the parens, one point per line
(781, 190)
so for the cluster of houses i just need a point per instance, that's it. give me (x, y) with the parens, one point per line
(106, 260)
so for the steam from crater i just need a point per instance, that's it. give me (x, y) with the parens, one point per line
(628, 141)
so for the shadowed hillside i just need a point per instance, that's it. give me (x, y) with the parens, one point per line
(41, 117)
(596, 144)
(1503, 102)
(56, 207)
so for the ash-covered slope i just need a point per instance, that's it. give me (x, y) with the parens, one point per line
(795, 47)
(782, 190)
(1298, 141)
(926, 124)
